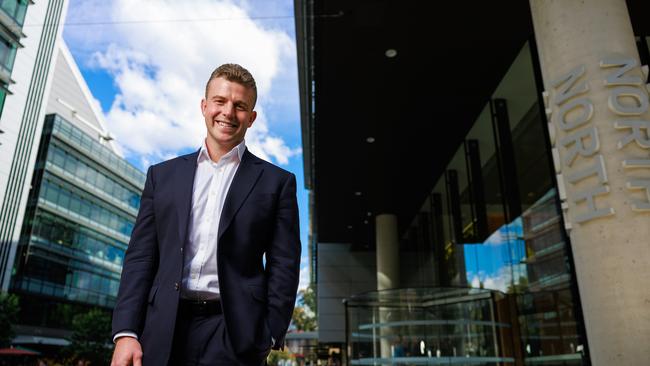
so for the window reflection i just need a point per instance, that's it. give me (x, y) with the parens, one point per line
(82, 170)
(78, 223)
(84, 207)
(496, 221)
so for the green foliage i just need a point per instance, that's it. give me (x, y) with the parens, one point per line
(91, 337)
(9, 307)
(275, 356)
(304, 315)
(308, 297)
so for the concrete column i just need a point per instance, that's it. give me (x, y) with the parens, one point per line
(597, 101)
(387, 251)
(387, 270)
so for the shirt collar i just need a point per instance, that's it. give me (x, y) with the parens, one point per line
(237, 151)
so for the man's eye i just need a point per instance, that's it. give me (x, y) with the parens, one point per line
(241, 108)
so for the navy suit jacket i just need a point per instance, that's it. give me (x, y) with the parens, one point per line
(259, 217)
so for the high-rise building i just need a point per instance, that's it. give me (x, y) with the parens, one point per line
(30, 33)
(68, 200)
(80, 212)
(480, 178)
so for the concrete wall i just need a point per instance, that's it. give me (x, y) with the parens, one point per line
(341, 273)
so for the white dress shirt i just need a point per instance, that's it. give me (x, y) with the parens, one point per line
(211, 183)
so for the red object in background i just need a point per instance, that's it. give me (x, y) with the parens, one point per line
(17, 352)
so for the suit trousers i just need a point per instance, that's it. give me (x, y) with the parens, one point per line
(201, 340)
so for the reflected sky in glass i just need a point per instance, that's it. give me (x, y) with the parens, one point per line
(494, 263)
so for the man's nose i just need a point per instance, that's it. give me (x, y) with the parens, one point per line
(227, 109)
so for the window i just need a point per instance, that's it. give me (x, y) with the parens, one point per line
(15, 9)
(7, 55)
(3, 95)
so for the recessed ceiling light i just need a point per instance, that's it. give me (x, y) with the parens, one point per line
(369, 213)
(370, 139)
(349, 226)
(357, 193)
(391, 52)
(365, 222)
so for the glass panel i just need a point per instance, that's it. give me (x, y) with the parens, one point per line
(508, 183)
(3, 96)
(68, 133)
(546, 275)
(90, 175)
(441, 326)
(7, 55)
(15, 9)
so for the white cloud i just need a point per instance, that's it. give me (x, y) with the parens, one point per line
(304, 274)
(160, 61)
(500, 280)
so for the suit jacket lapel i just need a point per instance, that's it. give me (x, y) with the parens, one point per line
(185, 183)
(249, 171)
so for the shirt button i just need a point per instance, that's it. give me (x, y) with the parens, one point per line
(176, 286)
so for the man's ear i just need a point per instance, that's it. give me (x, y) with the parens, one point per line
(204, 105)
(253, 116)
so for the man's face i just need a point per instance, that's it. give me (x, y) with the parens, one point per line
(228, 112)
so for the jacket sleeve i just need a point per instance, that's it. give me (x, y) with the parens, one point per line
(283, 263)
(140, 265)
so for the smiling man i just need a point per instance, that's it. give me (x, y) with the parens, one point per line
(194, 288)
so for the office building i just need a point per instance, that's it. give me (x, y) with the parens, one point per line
(30, 33)
(480, 177)
(79, 216)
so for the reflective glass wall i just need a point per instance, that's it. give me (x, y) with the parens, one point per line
(79, 218)
(494, 222)
(429, 326)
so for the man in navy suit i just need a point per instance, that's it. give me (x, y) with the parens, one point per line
(195, 289)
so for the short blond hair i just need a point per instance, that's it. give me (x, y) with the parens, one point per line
(235, 73)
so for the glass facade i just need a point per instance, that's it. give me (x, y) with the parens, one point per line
(429, 326)
(79, 218)
(491, 222)
(7, 55)
(16, 9)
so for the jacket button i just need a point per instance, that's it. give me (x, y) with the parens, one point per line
(176, 286)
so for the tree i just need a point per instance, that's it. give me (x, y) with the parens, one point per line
(304, 315)
(9, 308)
(91, 337)
(308, 298)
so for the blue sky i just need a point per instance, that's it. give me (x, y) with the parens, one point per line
(146, 63)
